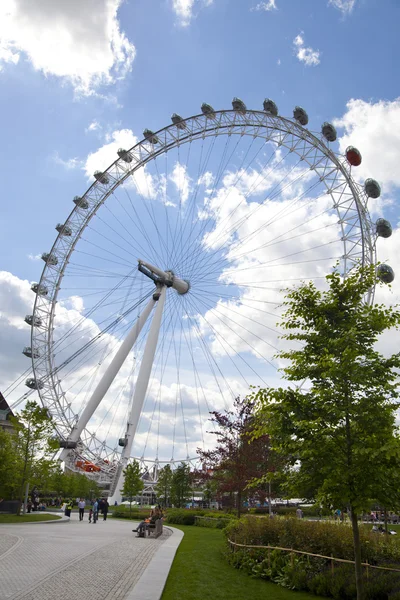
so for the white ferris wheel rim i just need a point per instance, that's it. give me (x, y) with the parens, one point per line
(359, 246)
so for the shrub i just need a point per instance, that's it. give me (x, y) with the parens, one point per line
(314, 574)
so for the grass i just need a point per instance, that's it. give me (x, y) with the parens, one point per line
(200, 571)
(27, 518)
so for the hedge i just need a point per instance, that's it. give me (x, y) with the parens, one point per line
(310, 573)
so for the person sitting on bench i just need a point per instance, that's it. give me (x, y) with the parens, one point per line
(143, 525)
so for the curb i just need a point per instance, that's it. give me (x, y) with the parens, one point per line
(151, 584)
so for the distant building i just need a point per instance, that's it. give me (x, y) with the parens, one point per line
(5, 414)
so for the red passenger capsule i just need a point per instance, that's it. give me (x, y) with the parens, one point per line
(353, 156)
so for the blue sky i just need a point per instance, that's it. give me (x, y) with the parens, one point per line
(81, 77)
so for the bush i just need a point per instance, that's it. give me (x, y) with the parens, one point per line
(312, 573)
(122, 512)
(181, 516)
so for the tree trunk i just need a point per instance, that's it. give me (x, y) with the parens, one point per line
(269, 499)
(386, 519)
(239, 503)
(357, 554)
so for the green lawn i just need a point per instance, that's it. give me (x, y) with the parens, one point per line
(200, 571)
(27, 518)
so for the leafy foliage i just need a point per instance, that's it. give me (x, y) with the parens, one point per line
(163, 487)
(181, 485)
(311, 573)
(32, 447)
(133, 483)
(345, 421)
(237, 459)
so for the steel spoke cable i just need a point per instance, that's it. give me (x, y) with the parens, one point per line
(245, 197)
(215, 183)
(229, 356)
(241, 338)
(141, 228)
(209, 219)
(210, 359)
(270, 198)
(275, 192)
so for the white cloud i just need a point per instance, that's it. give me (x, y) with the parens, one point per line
(181, 180)
(184, 9)
(34, 256)
(79, 41)
(345, 6)
(305, 54)
(69, 164)
(267, 6)
(94, 126)
(373, 128)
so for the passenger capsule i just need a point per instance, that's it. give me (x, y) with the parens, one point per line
(31, 353)
(81, 202)
(329, 132)
(34, 384)
(178, 121)
(125, 155)
(150, 136)
(41, 290)
(270, 107)
(383, 228)
(239, 106)
(49, 259)
(208, 110)
(64, 229)
(353, 156)
(372, 188)
(33, 321)
(300, 115)
(101, 177)
(122, 442)
(385, 273)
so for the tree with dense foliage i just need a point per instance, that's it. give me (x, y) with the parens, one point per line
(339, 427)
(8, 465)
(133, 483)
(181, 490)
(163, 486)
(237, 459)
(34, 446)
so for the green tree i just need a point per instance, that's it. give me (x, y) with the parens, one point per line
(9, 464)
(133, 483)
(163, 486)
(181, 486)
(33, 428)
(237, 459)
(340, 426)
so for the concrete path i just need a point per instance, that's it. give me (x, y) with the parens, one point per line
(74, 559)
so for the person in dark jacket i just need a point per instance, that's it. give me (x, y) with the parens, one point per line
(106, 506)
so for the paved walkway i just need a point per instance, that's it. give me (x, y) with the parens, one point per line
(74, 559)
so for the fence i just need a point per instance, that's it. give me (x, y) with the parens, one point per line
(293, 552)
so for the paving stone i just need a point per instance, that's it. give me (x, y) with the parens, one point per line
(73, 560)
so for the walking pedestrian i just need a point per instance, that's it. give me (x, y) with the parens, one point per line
(90, 514)
(106, 506)
(68, 509)
(95, 510)
(81, 506)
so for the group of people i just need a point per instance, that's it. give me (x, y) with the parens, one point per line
(155, 514)
(99, 506)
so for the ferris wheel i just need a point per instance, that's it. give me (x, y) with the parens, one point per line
(161, 297)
